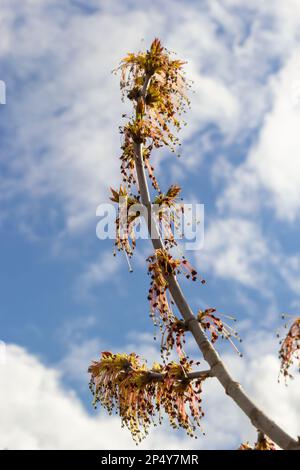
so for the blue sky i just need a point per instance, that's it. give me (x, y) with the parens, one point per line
(64, 297)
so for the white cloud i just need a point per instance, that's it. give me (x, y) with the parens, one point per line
(75, 364)
(289, 268)
(64, 107)
(103, 269)
(66, 116)
(38, 412)
(235, 249)
(270, 175)
(66, 113)
(275, 158)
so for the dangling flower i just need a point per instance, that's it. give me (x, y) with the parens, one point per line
(126, 219)
(149, 168)
(176, 392)
(128, 160)
(160, 304)
(123, 383)
(290, 348)
(161, 265)
(173, 335)
(169, 214)
(216, 327)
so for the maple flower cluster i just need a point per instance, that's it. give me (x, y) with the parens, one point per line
(290, 349)
(174, 333)
(161, 266)
(217, 327)
(263, 443)
(126, 220)
(123, 383)
(165, 99)
(155, 111)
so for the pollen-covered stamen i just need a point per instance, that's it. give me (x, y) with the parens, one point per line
(216, 327)
(290, 349)
(173, 335)
(123, 383)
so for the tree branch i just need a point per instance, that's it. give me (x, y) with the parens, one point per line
(190, 375)
(218, 368)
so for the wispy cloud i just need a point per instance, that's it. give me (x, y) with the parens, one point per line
(270, 175)
(64, 109)
(44, 415)
(234, 248)
(102, 270)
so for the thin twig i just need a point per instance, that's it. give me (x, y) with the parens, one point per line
(189, 376)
